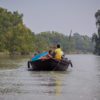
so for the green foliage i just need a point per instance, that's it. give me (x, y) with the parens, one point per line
(15, 37)
(96, 37)
(76, 43)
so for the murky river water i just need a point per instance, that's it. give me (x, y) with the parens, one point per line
(82, 82)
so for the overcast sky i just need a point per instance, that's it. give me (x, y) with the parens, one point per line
(56, 15)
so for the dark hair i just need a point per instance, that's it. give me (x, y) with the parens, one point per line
(50, 51)
(58, 45)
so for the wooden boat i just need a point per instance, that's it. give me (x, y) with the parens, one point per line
(49, 65)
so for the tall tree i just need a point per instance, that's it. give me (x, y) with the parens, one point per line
(96, 37)
(14, 35)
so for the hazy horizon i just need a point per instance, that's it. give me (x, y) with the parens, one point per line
(56, 15)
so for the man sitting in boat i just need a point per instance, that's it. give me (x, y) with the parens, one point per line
(47, 56)
(57, 52)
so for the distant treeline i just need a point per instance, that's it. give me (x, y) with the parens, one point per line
(15, 37)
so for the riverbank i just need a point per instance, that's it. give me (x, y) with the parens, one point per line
(3, 53)
(32, 53)
(15, 53)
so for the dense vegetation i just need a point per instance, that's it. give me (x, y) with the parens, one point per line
(96, 37)
(76, 43)
(15, 37)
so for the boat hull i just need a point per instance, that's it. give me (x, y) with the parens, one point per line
(48, 65)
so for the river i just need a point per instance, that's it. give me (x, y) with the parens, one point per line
(82, 82)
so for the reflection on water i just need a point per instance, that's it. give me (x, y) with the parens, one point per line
(49, 82)
(21, 81)
(10, 62)
(98, 77)
(82, 82)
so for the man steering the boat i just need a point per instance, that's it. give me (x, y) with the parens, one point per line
(57, 52)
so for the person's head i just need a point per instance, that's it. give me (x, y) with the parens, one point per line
(50, 51)
(58, 45)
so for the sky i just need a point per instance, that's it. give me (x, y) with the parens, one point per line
(56, 15)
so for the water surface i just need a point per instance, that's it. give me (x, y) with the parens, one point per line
(82, 82)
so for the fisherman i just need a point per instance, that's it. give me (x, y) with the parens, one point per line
(47, 56)
(57, 52)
